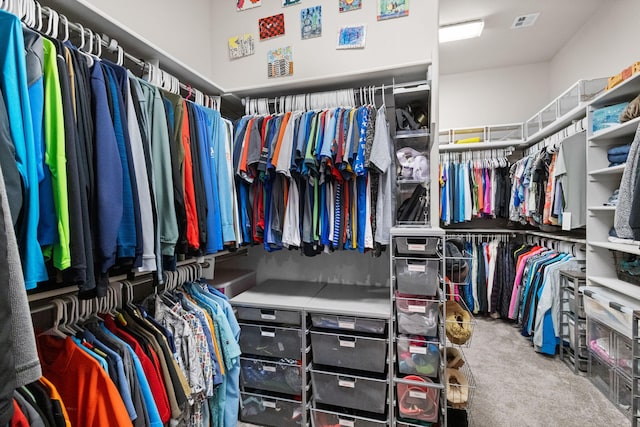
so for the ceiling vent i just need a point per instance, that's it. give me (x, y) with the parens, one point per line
(524, 21)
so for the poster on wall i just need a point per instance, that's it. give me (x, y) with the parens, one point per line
(247, 4)
(352, 37)
(280, 62)
(286, 3)
(241, 46)
(349, 5)
(388, 9)
(311, 22)
(271, 26)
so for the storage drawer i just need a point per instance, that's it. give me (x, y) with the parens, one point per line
(270, 411)
(417, 356)
(417, 316)
(349, 351)
(624, 355)
(417, 276)
(600, 339)
(362, 393)
(322, 418)
(624, 394)
(417, 246)
(271, 341)
(271, 376)
(344, 323)
(418, 402)
(601, 375)
(576, 307)
(267, 315)
(582, 338)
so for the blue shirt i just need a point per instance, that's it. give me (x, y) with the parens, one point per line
(150, 404)
(15, 90)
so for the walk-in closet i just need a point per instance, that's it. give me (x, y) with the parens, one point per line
(286, 213)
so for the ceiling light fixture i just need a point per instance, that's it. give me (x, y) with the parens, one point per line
(461, 31)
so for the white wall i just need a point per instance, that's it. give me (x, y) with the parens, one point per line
(182, 29)
(493, 96)
(389, 43)
(606, 44)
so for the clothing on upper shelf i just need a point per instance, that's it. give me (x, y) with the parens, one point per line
(173, 359)
(315, 180)
(473, 189)
(103, 168)
(548, 184)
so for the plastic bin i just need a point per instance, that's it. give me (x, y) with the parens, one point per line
(417, 276)
(601, 375)
(582, 343)
(278, 377)
(417, 246)
(267, 315)
(271, 341)
(270, 411)
(624, 355)
(610, 308)
(362, 393)
(417, 356)
(345, 323)
(624, 394)
(418, 401)
(323, 418)
(349, 351)
(417, 316)
(601, 341)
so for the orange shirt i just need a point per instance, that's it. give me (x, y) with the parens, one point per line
(91, 398)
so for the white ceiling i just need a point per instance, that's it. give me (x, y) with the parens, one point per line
(499, 46)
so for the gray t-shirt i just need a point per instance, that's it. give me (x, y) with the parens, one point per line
(381, 155)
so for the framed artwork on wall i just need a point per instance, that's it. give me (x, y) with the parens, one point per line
(352, 37)
(311, 22)
(349, 5)
(280, 62)
(286, 3)
(388, 9)
(241, 46)
(271, 26)
(247, 4)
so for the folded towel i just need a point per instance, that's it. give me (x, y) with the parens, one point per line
(619, 149)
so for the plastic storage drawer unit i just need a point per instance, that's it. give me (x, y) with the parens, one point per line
(354, 324)
(624, 355)
(271, 341)
(582, 345)
(362, 393)
(270, 411)
(349, 351)
(270, 316)
(278, 377)
(322, 418)
(417, 276)
(417, 316)
(624, 394)
(417, 356)
(601, 375)
(601, 341)
(417, 246)
(610, 308)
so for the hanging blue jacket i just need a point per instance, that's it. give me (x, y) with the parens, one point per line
(108, 171)
(224, 178)
(15, 90)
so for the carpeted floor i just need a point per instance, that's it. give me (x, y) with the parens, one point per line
(518, 387)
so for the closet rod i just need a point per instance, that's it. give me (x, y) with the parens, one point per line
(558, 237)
(272, 101)
(106, 42)
(482, 231)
